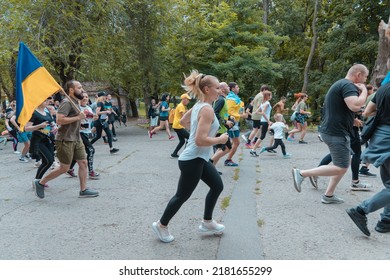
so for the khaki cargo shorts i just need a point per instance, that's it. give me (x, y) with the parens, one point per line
(67, 151)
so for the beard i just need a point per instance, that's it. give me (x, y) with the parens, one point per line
(78, 95)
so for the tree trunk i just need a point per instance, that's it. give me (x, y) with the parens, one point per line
(266, 11)
(382, 63)
(312, 49)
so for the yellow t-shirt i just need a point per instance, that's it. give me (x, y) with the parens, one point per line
(179, 112)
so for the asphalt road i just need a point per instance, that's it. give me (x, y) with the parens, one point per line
(265, 217)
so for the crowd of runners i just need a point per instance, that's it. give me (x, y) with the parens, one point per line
(59, 135)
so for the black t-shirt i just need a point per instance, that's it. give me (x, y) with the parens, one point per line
(382, 101)
(102, 108)
(337, 117)
(38, 118)
(250, 110)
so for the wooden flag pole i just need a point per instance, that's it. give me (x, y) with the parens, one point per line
(71, 101)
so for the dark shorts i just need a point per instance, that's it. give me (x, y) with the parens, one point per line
(256, 123)
(67, 151)
(228, 144)
(340, 149)
(163, 119)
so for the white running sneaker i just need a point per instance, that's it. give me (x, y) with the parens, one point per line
(359, 186)
(211, 226)
(162, 232)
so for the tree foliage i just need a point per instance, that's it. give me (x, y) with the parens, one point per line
(145, 46)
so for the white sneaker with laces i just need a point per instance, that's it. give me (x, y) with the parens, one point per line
(359, 186)
(297, 178)
(211, 226)
(162, 232)
(23, 159)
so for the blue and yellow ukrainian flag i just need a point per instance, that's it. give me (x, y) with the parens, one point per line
(34, 84)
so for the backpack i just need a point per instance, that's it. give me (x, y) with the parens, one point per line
(171, 116)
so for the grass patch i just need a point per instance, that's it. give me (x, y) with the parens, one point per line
(257, 191)
(225, 202)
(260, 223)
(236, 175)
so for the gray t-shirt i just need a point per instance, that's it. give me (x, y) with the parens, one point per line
(337, 117)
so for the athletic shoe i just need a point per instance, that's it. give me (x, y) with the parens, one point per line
(174, 155)
(114, 139)
(229, 162)
(302, 142)
(16, 152)
(314, 181)
(88, 193)
(297, 178)
(364, 171)
(171, 137)
(71, 173)
(290, 139)
(114, 151)
(23, 159)
(359, 186)
(359, 220)
(331, 199)
(211, 227)
(253, 153)
(93, 175)
(262, 150)
(320, 138)
(286, 156)
(162, 232)
(382, 227)
(243, 136)
(3, 141)
(248, 145)
(39, 188)
(37, 164)
(150, 134)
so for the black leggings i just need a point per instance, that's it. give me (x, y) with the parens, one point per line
(191, 172)
(46, 151)
(89, 149)
(182, 134)
(264, 129)
(99, 129)
(277, 142)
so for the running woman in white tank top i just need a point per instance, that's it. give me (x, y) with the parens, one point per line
(194, 161)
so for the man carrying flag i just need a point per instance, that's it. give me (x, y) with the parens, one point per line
(34, 84)
(69, 144)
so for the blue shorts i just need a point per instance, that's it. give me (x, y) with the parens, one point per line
(234, 133)
(24, 136)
